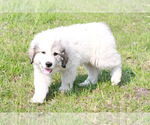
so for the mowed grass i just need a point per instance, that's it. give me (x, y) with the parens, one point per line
(132, 33)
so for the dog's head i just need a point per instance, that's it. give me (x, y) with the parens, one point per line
(47, 55)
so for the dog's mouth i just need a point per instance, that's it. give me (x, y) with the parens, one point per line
(46, 70)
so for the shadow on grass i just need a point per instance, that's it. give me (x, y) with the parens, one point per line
(104, 77)
(127, 75)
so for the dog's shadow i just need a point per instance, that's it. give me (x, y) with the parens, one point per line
(104, 77)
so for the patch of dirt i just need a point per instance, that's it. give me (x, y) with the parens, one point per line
(141, 92)
(147, 65)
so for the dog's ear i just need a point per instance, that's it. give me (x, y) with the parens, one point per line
(32, 53)
(61, 52)
(64, 58)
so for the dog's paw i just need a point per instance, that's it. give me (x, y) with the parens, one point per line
(85, 83)
(115, 81)
(36, 100)
(64, 89)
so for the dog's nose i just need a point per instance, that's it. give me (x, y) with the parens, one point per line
(48, 64)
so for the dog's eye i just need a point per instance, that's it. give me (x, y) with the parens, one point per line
(43, 52)
(55, 54)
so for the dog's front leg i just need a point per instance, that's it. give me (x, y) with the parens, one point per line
(41, 84)
(67, 77)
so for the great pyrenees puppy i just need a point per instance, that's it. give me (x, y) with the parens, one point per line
(63, 49)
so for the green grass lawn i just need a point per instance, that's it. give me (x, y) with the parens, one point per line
(132, 33)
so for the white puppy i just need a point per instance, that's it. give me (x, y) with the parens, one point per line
(63, 49)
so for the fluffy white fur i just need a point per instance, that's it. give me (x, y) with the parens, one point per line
(63, 49)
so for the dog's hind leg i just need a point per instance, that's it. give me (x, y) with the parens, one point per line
(116, 73)
(92, 75)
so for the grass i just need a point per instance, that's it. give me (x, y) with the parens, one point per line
(16, 74)
(74, 6)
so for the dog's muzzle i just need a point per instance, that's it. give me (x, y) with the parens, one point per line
(47, 70)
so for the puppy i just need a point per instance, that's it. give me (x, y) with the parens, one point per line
(63, 49)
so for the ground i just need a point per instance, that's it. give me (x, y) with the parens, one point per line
(131, 32)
